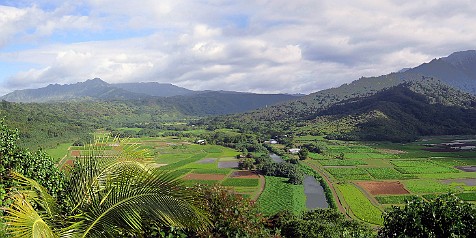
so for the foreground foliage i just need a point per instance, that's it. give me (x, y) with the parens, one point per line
(231, 214)
(445, 216)
(107, 195)
(319, 223)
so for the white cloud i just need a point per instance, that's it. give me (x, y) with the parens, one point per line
(261, 46)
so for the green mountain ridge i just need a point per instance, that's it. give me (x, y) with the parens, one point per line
(93, 89)
(406, 111)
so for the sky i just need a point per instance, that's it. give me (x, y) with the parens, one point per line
(262, 46)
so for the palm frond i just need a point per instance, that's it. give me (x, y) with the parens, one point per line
(34, 191)
(24, 221)
(128, 200)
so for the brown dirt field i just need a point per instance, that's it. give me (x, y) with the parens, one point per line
(204, 177)
(68, 164)
(245, 174)
(75, 153)
(380, 188)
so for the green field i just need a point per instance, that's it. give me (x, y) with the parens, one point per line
(350, 173)
(279, 195)
(59, 151)
(360, 205)
(395, 199)
(240, 182)
(422, 172)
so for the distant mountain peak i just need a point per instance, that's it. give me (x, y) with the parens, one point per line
(460, 56)
(457, 70)
(96, 81)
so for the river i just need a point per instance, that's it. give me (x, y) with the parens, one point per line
(315, 196)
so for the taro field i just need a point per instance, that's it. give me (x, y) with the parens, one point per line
(369, 177)
(193, 163)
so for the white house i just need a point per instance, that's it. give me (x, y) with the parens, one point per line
(294, 150)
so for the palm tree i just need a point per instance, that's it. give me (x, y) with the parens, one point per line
(109, 191)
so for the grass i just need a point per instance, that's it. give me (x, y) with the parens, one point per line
(368, 156)
(191, 183)
(361, 207)
(171, 158)
(448, 175)
(179, 172)
(279, 195)
(387, 173)
(340, 162)
(196, 165)
(350, 173)
(427, 186)
(413, 163)
(467, 196)
(134, 129)
(427, 170)
(223, 171)
(397, 199)
(184, 162)
(59, 151)
(240, 182)
(317, 156)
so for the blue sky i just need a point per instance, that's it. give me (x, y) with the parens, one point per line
(264, 46)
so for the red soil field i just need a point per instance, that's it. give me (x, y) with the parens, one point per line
(204, 177)
(380, 188)
(75, 153)
(245, 174)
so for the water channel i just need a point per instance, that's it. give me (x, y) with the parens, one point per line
(315, 196)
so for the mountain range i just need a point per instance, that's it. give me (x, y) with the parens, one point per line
(433, 98)
(185, 101)
(96, 89)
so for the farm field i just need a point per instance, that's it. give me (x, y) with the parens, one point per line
(279, 195)
(372, 176)
(367, 178)
(193, 163)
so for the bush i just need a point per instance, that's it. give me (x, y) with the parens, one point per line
(445, 216)
(246, 163)
(231, 215)
(286, 170)
(319, 223)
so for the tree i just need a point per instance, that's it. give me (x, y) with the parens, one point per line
(319, 223)
(108, 194)
(231, 214)
(445, 216)
(38, 166)
(246, 163)
(303, 154)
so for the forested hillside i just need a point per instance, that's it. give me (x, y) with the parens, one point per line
(405, 112)
(396, 107)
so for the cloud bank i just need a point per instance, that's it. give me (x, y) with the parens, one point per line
(264, 46)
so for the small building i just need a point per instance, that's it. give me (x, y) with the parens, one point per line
(294, 150)
(201, 142)
(272, 141)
